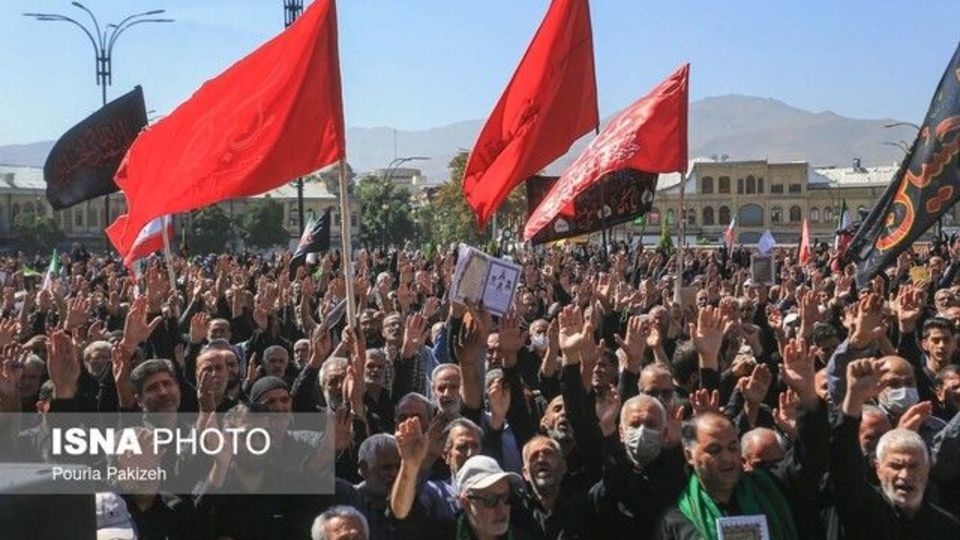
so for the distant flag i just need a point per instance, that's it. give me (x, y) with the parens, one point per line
(730, 235)
(150, 240)
(53, 269)
(923, 189)
(30, 272)
(315, 239)
(767, 242)
(550, 102)
(805, 255)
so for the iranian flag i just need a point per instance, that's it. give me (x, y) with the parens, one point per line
(843, 236)
(729, 235)
(53, 269)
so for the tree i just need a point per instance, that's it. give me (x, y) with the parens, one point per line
(209, 230)
(263, 224)
(36, 232)
(386, 214)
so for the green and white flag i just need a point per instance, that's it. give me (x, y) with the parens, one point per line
(843, 222)
(53, 269)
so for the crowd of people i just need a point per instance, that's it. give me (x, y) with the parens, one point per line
(603, 405)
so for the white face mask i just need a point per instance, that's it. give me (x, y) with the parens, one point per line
(538, 342)
(642, 445)
(898, 400)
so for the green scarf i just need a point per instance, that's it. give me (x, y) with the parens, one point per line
(755, 494)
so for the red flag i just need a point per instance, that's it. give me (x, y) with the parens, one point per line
(650, 136)
(149, 240)
(550, 102)
(274, 115)
(805, 254)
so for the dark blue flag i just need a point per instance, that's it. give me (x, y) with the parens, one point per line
(925, 187)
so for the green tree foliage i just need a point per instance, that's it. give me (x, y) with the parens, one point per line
(386, 216)
(263, 224)
(37, 233)
(209, 230)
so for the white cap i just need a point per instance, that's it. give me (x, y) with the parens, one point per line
(480, 472)
(113, 519)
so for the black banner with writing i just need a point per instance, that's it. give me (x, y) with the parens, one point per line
(623, 195)
(82, 163)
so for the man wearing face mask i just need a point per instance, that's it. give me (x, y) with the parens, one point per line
(900, 393)
(947, 387)
(643, 472)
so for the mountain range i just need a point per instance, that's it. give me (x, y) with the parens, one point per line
(740, 127)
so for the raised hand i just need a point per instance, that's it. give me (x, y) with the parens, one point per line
(703, 401)
(254, 370)
(915, 416)
(671, 434)
(9, 391)
(512, 339)
(120, 360)
(799, 370)
(76, 313)
(499, 399)
(431, 306)
(572, 334)
(412, 441)
(320, 346)
(869, 325)
(755, 387)
(863, 383)
(708, 334)
(63, 365)
(9, 329)
(907, 307)
(785, 416)
(413, 335)
(607, 408)
(635, 346)
(198, 327)
(136, 330)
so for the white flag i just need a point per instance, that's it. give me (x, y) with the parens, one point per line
(766, 243)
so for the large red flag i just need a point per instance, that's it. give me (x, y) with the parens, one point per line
(550, 102)
(274, 115)
(650, 136)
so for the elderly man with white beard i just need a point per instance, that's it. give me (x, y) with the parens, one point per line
(898, 508)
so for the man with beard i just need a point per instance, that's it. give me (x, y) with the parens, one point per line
(371, 326)
(643, 468)
(947, 387)
(939, 345)
(218, 376)
(376, 399)
(544, 507)
(445, 385)
(409, 361)
(898, 508)
(379, 464)
(301, 353)
(275, 362)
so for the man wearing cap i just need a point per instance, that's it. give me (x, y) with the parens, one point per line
(484, 490)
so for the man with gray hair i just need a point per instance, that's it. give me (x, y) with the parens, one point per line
(898, 507)
(340, 523)
(275, 361)
(378, 460)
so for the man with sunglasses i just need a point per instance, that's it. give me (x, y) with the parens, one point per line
(484, 490)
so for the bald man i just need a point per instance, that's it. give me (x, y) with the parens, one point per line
(761, 447)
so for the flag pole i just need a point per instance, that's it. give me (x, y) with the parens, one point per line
(168, 257)
(678, 281)
(346, 253)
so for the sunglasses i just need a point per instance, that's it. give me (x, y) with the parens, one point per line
(491, 500)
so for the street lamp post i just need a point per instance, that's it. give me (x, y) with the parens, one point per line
(103, 41)
(396, 163)
(291, 10)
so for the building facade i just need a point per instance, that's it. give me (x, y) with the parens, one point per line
(22, 190)
(763, 195)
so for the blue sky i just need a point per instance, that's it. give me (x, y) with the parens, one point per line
(415, 64)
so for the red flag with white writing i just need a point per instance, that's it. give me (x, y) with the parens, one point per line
(649, 136)
(550, 102)
(274, 115)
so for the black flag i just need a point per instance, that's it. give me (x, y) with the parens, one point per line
(315, 238)
(621, 196)
(82, 163)
(924, 188)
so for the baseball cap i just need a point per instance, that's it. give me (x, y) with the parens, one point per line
(113, 519)
(480, 472)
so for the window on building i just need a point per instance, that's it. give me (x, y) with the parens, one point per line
(706, 185)
(776, 188)
(724, 185)
(814, 215)
(724, 215)
(670, 216)
(708, 216)
(796, 215)
(795, 188)
(751, 184)
(776, 215)
(78, 217)
(92, 220)
(750, 215)
(740, 186)
(691, 217)
(760, 185)
(293, 215)
(827, 214)
(653, 218)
